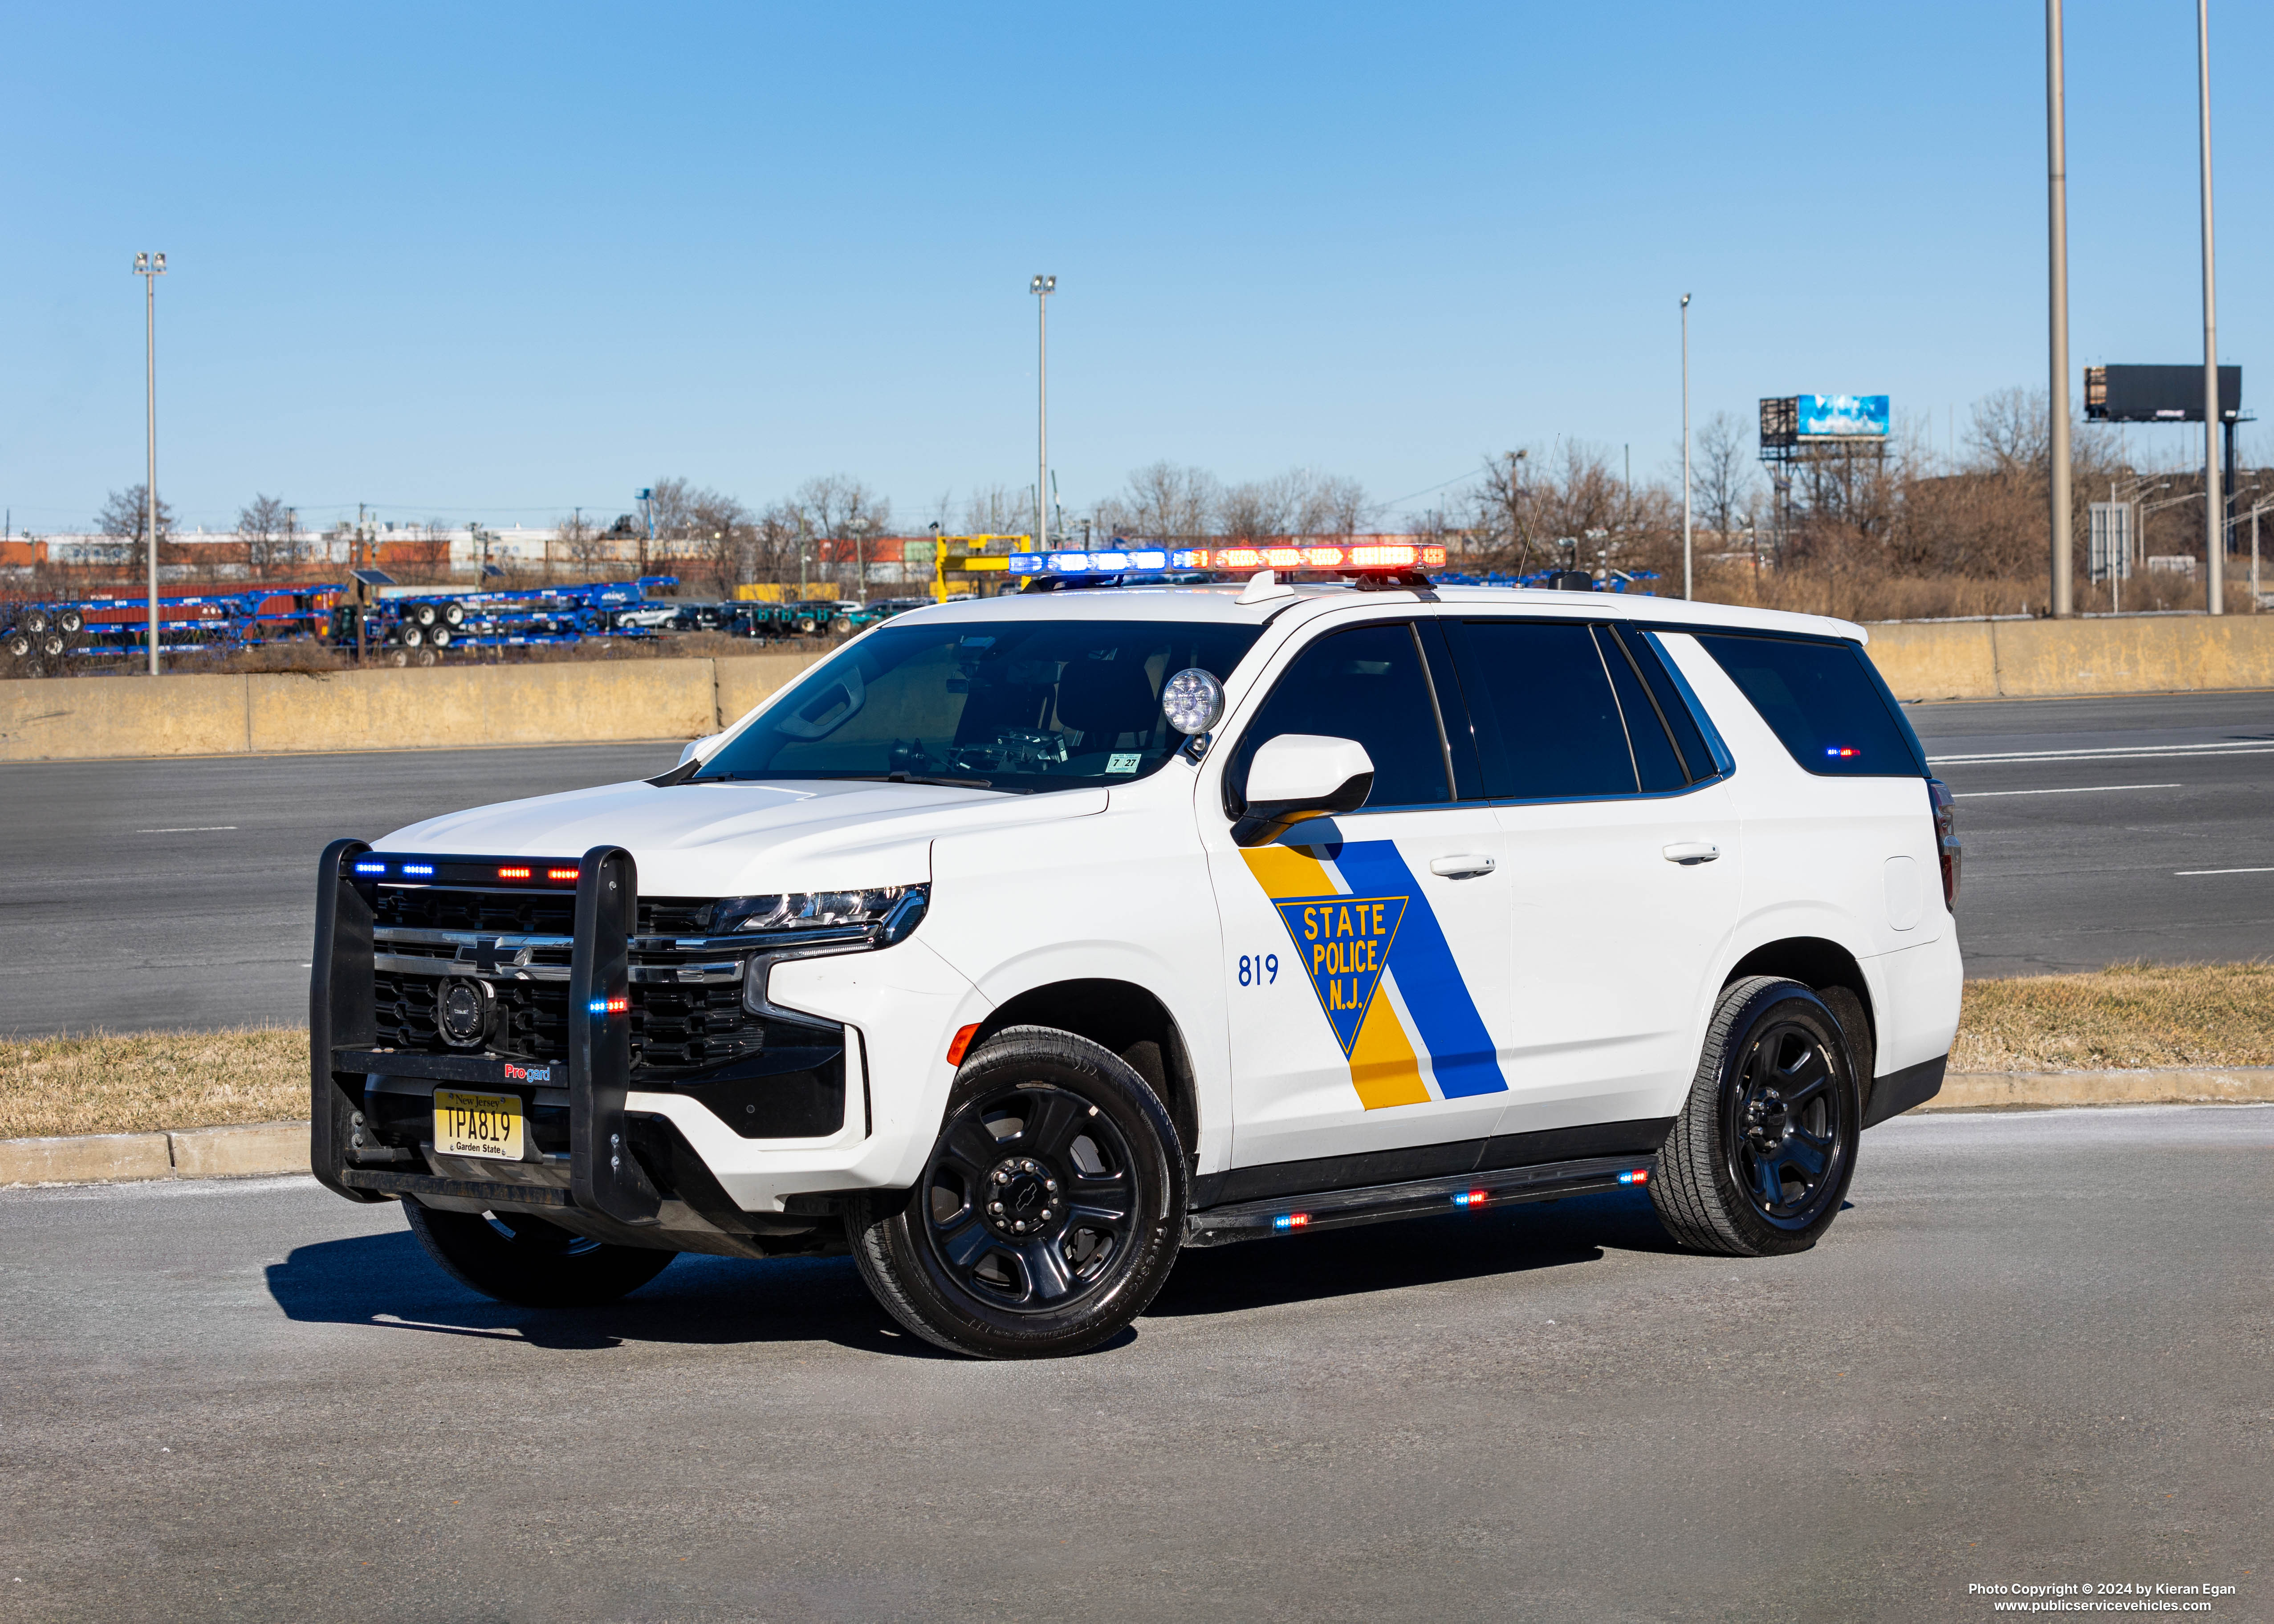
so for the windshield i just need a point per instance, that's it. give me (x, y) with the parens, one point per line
(1020, 705)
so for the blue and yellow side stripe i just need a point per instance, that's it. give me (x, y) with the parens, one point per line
(1385, 1058)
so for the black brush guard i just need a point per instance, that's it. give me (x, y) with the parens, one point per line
(604, 1176)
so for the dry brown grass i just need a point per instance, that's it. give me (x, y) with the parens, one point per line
(104, 1082)
(2130, 1015)
(2133, 1015)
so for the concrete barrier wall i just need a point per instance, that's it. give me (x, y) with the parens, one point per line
(443, 707)
(438, 708)
(2036, 659)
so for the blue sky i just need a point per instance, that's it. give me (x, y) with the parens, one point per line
(497, 262)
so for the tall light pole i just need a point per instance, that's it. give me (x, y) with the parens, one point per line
(149, 268)
(2214, 508)
(2064, 589)
(1041, 288)
(1688, 584)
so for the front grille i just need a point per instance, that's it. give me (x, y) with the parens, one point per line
(518, 943)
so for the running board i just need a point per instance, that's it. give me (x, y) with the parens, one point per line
(1337, 1209)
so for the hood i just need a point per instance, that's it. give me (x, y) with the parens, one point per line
(726, 840)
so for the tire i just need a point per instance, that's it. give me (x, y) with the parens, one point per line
(413, 635)
(525, 1260)
(454, 614)
(439, 637)
(18, 646)
(1060, 1126)
(425, 614)
(1760, 1158)
(71, 621)
(36, 620)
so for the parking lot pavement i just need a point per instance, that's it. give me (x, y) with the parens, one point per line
(2033, 1349)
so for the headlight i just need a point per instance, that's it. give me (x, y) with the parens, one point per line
(889, 912)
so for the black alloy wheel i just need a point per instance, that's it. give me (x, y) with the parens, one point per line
(1028, 1197)
(1048, 1212)
(1759, 1160)
(1783, 1132)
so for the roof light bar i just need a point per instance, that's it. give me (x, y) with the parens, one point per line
(561, 874)
(1128, 560)
(371, 868)
(516, 873)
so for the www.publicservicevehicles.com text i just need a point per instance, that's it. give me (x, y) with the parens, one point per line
(2100, 1598)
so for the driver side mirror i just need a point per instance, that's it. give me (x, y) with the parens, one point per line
(1299, 775)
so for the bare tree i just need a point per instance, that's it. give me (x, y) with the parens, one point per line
(583, 544)
(1164, 501)
(1722, 474)
(995, 510)
(720, 527)
(124, 518)
(265, 523)
(839, 510)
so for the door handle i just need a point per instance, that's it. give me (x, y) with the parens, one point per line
(1690, 853)
(1460, 868)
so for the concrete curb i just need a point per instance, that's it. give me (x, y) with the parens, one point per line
(1997, 1091)
(261, 1149)
(269, 1149)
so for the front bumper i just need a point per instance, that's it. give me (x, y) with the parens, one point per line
(650, 1168)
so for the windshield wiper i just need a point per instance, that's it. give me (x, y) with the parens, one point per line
(918, 777)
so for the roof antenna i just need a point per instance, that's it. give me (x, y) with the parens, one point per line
(1262, 587)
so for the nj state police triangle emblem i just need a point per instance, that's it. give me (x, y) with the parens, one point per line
(1345, 941)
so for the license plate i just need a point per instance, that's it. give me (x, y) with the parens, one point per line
(477, 1124)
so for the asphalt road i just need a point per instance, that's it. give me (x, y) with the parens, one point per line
(2033, 1351)
(138, 895)
(2098, 831)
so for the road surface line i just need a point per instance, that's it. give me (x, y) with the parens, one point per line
(2081, 789)
(2183, 874)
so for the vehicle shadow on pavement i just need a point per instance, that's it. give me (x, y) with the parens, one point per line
(1419, 1251)
(388, 1282)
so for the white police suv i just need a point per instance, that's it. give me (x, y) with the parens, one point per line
(1024, 941)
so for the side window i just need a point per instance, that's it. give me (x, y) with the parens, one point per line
(1547, 721)
(1674, 705)
(1823, 702)
(1657, 762)
(1370, 684)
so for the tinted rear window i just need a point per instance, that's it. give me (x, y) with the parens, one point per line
(1824, 701)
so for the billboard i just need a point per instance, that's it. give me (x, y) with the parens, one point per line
(2157, 393)
(1843, 417)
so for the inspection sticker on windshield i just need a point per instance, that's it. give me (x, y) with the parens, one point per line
(1123, 761)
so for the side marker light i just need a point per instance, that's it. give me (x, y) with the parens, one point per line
(1640, 1176)
(960, 1042)
(610, 1006)
(1290, 1221)
(1470, 1198)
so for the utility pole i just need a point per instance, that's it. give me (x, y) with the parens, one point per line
(1688, 582)
(2064, 591)
(1041, 288)
(2214, 502)
(149, 268)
